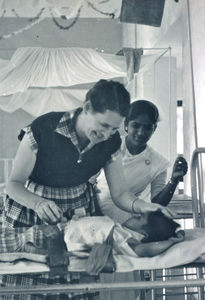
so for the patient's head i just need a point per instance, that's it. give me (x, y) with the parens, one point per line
(154, 225)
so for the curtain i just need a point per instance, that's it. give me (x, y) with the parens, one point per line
(39, 80)
(40, 101)
(49, 67)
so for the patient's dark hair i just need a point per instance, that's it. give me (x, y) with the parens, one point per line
(159, 227)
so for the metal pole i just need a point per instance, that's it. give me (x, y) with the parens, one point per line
(90, 287)
(192, 74)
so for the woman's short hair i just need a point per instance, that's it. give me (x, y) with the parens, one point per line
(139, 107)
(109, 95)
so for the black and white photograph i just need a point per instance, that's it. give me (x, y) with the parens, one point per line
(102, 150)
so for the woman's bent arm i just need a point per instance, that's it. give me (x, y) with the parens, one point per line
(23, 165)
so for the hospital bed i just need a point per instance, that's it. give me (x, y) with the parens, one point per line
(161, 268)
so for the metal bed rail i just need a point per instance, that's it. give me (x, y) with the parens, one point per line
(197, 192)
(197, 189)
(166, 281)
(197, 203)
(91, 287)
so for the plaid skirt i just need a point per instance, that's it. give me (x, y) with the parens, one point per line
(15, 215)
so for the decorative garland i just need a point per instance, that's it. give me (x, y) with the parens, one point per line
(38, 18)
(64, 17)
(30, 19)
(112, 15)
(3, 14)
(15, 13)
(36, 21)
(38, 15)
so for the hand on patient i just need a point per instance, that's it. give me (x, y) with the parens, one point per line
(48, 211)
(141, 206)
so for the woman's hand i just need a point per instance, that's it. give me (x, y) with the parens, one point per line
(141, 206)
(48, 211)
(179, 169)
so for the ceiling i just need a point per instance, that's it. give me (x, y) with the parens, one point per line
(92, 30)
(97, 33)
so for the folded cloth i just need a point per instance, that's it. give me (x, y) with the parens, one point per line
(58, 259)
(98, 258)
(39, 237)
(101, 256)
(133, 60)
(16, 239)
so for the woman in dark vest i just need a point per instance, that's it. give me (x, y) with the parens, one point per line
(57, 156)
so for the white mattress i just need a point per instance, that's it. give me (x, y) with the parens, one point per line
(188, 251)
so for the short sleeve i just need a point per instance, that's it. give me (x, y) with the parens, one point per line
(36, 130)
(115, 155)
(32, 141)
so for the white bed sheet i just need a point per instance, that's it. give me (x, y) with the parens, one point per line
(188, 251)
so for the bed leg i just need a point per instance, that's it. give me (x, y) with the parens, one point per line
(199, 273)
(153, 277)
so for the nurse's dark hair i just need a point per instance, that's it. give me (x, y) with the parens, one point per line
(109, 95)
(159, 227)
(139, 107)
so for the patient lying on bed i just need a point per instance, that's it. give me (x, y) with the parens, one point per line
(138, 244)
(97, 238)
(144, 235)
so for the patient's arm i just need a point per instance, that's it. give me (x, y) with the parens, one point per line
(154, 248)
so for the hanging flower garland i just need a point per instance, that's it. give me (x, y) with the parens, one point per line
(30, 19)
(90, 4)
(112, 15)
(36, 21)
(64, 17)
(3, 14)
(15, 13)
(38, 18)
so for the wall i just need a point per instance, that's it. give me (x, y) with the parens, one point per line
(193, 77)
(93, 33)
(103, 34)
(159, 86)
(10, 127)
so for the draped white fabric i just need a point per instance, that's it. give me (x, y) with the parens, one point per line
(38, 80)
(39, 101)
(45, 67)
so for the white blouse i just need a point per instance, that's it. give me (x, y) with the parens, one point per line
(145, 175)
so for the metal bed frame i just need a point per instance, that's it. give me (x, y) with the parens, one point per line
(155, 281)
